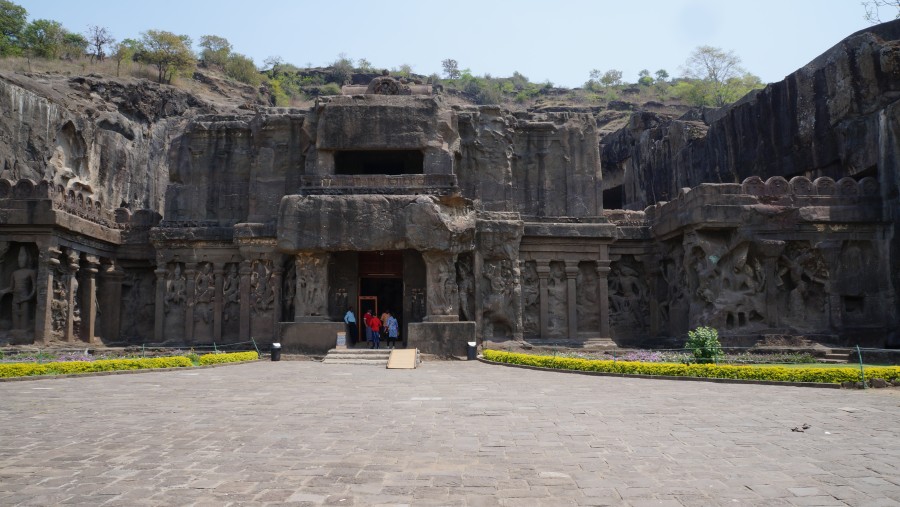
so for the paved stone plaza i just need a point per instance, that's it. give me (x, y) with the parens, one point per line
(448, 433)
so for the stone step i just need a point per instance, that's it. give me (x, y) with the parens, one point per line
(369, 362)
(842, 357)
(833, 361)
(376, 357)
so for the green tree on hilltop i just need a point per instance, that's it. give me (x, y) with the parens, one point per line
(714, 77)
(215, 50)
(12, 23)
(168, 52)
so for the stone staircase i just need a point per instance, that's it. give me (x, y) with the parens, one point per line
(836, 356)
(374, 357)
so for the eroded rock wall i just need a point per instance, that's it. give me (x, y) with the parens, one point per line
(834, 117)
(106, 138)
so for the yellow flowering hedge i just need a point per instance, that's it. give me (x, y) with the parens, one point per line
(231, 357)
(769, 373)
(67, 367)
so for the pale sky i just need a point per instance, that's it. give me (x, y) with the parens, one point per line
(560, 41)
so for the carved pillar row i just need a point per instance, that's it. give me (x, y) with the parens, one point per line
(218, 304)
(571, 294)
(160, 318)
(48, 264)
(543, 271)
(603, 296)
(110, 299)
(89, 297)
(246, 269)
(311, 296)
(190, 301)
(71, 293)
(442, 293)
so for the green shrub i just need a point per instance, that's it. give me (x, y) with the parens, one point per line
(767, 373)
(68, 367)
(703, 342)
(231, 357)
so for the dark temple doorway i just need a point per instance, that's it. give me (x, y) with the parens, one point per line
(381, 286)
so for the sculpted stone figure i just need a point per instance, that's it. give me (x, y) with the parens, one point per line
(176, 288)
(204, 288)
(312, 276)
(466, 282)
(442, 293)
(262, 293)
(231, 293)
(22, 286)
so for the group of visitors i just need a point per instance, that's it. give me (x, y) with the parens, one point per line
(375, 327)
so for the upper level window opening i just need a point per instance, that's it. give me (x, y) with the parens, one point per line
(388, 162)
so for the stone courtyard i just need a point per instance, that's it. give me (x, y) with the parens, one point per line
(448, 433)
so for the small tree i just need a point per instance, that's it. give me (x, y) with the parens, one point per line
(364, 66)
(644, 78)
(12, 22)
(609, 78)
(873, 9)
(43, 38)
(340, 70)
(241, 68)
(215, 50)
(275, 63)
(703, 342)
(73, 46)
(662, 75)
(451, 68)
(124, 52)
(168, 52)
(99, 37)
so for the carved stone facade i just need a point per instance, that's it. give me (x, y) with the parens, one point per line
(467, 222)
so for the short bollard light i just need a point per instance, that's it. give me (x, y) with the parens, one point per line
(276, 352)
(471, 351)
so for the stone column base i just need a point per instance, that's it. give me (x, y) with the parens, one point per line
(441, 338)
(308, 337)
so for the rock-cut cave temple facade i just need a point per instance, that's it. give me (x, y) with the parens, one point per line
(776, 215)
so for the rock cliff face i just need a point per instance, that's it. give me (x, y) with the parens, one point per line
(106, 138)
(835, 117)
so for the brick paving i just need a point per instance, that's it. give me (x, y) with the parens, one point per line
(448, 433)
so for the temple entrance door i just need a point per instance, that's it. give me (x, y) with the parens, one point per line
(381, 284)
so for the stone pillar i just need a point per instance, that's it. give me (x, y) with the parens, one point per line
(48, 263)
(218, 304)
(160, 320)
(89, 310)
(190, 273)
(603, 296)
(311, 296)
(110, 299)
(278, 272)
(72, 258)
(571, 294)
(442, 293)
(244, 330)
(543, 271)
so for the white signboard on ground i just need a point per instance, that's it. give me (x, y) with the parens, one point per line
(341, 341)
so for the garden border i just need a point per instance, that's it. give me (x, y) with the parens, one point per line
(820, 385)
(120, 372)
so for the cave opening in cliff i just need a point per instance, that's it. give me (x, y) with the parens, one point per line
(614, 198)
(389, 162)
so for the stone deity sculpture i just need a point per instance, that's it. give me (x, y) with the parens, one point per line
(22, 286)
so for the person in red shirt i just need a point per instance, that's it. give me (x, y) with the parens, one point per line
(374, 324)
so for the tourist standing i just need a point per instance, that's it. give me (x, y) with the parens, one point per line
(350, 321)
(393, 329)
(374, 324)
(365, 323)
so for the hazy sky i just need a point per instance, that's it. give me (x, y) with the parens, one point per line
(560, 41)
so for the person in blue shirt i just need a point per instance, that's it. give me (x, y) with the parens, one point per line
(350, 321)
(393, 329)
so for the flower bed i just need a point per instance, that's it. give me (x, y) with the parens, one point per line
(765, 373)
(69, 367)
